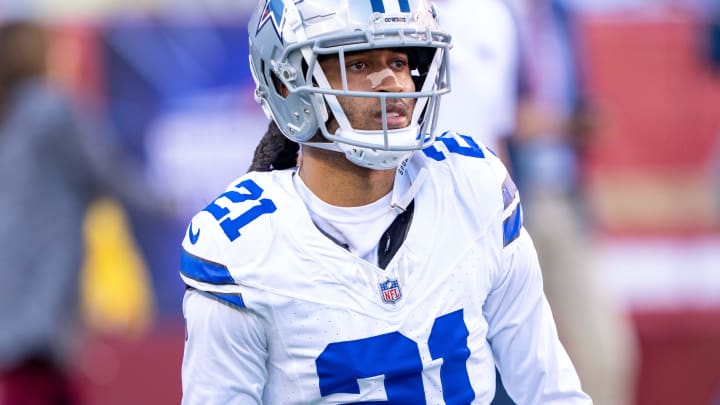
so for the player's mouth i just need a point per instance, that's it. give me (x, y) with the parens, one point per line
(397, 116)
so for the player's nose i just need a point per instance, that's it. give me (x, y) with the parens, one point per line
(386, 80)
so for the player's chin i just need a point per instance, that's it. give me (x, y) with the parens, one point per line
(402, 125)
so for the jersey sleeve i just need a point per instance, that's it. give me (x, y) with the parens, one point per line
(532, 362)
(225, 243)
(534, 366)
(225, 353)
(203, 263)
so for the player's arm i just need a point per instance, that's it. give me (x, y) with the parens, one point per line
(532, 362)
(225, 353)
(226, 345)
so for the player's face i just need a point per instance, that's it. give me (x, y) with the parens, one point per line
(382, 70)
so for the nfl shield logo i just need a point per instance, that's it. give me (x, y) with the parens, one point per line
(390, 291)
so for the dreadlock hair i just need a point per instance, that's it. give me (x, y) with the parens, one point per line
(274, 152)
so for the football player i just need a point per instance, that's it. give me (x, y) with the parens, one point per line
(389, 265)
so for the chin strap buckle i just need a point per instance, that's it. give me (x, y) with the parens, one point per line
(401, 199)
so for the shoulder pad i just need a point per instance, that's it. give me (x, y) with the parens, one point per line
(452, 145)
(234, 228)
(478, 170)
(481, 178)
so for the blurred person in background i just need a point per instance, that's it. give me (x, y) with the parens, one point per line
(50, 171)
(709, 13)
(554, 123)
(484, 71)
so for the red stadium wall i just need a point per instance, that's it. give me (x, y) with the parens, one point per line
(122, 371)
(648, 172)
(680, 358)
(659, 112)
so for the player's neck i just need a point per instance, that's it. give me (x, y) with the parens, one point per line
(337, 181)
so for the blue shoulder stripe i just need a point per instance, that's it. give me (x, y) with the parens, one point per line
(512, 226)
(203, 270)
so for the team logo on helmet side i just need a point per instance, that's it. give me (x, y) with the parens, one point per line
(274, 11)
(390, 291)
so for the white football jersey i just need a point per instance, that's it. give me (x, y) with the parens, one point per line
(277, 313)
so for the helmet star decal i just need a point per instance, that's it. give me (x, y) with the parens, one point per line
(274, 10)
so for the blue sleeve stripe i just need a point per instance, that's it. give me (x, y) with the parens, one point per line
(204, 271)
(509, 190)
(234, 300)
(512, 226)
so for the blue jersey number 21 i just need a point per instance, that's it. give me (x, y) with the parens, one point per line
(397, 357)
(471, 149)
(246, 190)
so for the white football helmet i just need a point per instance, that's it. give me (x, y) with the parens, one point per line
(286, 38)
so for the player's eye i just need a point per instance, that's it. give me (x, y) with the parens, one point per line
(399, 64)
(356, 66)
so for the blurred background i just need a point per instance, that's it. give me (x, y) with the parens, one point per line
(166, 84)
